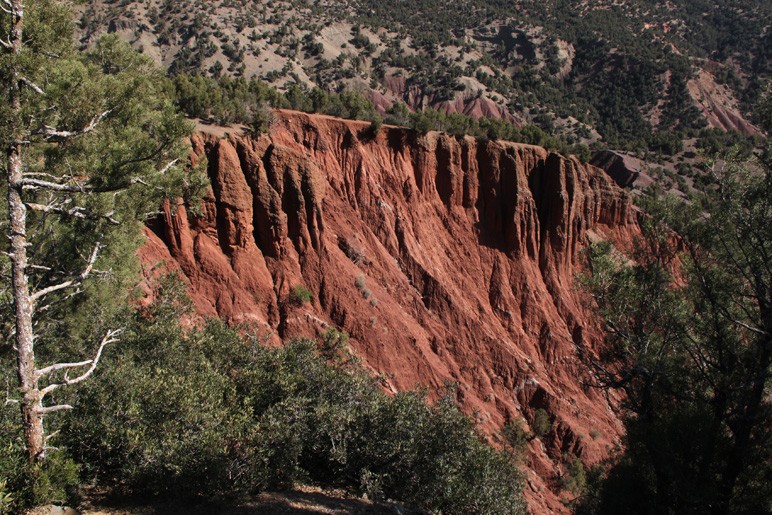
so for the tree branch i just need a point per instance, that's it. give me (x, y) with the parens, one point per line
(8, 399)
(78, 187)
(34, 87)
(54, 134)
(62, 366)
(10, 10)
(110, 337)
(72, 282)
(82, 187)
(75, 212)
(53, 409)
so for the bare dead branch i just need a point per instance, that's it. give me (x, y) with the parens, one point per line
(72, 282)
(110, 337)
(151, 214)
(77, 187)
(54, 134)
(31, 85)
(746, 326)
(61, 300)
(52, 409)
(62, 366)
(43, 174)
(82, 186)
(39, 267)
(8, 400)
(75, 212)
(168, 166)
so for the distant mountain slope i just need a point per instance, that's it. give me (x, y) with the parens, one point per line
(619, 71)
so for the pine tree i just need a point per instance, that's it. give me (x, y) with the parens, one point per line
(90, 146)
(689, 341)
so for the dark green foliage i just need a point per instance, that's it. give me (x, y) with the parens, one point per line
(515, 435)
(208, 413)
(715, 141)
(163, 414)
(692, 351)
(575, 477)
(23, 485)
(334, 344)
(238, 101)
(668, 143)
(261, 121)
(224, 100)
(376, 124)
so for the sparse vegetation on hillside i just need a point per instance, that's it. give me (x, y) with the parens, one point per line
(619, 68)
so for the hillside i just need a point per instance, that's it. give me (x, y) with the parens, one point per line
(447, 260)
(613, 73)
(365, 256)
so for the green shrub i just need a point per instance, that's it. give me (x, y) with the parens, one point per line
(575, 478)
(6, 497)
(300, 294)
(376, 124)
(162, 415)
(333, 343)
(204, 412)
(261, 120)
(515, 434)
(541, 424)
(22, 485)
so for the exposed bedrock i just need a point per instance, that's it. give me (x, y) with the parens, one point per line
(446, 259)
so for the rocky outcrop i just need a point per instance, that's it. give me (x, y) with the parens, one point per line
(627, 171)
(447, 260)
(472, 103)
(718, 104)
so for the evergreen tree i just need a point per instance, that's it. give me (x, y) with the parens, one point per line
(90, 146)
(689, 341)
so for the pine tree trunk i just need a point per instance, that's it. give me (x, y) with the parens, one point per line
(25, 337)
(23, 304)
(736, 460)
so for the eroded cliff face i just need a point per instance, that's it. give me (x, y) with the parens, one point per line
(468, 250)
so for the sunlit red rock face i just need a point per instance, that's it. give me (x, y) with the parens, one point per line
(468, 250)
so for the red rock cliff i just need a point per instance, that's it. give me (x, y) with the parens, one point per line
(468, 249)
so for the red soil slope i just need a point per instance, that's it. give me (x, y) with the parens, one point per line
(468, 249)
